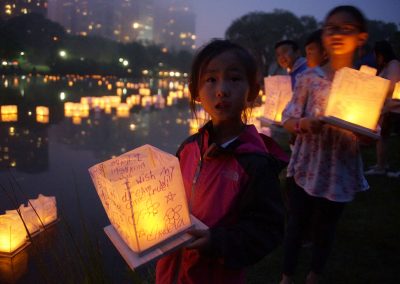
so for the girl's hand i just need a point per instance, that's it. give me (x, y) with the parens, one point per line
(202, 239)
(310, 124)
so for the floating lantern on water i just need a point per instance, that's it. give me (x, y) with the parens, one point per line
(144, 91)
(123, 110)
(9, 113)
(45, 207)
(42, 110)
(144, 197)
(355, 101)
(146, 101)
(9, 109)
(12, 234)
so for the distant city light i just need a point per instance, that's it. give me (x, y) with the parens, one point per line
(63, 53)
(22, 53)
(62, 96)
(125, 62)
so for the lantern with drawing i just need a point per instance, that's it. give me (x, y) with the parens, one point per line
(143, 194)
(278, 92)
(355, 101)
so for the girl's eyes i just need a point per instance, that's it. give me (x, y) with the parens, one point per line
(210, 80)
(233, 79)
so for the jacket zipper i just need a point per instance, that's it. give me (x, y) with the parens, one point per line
(195, 178)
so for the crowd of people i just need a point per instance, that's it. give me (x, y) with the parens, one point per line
(231, 172)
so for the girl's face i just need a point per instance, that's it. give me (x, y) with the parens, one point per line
(341, 34)
(315, 54)
(224, 88)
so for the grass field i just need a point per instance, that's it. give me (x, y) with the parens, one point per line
(367, 246)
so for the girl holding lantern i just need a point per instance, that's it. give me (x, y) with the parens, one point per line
(325, 169)
(231, 181)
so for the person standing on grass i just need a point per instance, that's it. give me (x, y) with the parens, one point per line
(388, 68)
(231, 181)
(325, 169)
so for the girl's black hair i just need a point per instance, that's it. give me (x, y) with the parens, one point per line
(354, 12)
(315, 37)
(385, 49)
(209, 51)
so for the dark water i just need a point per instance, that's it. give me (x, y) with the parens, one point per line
(53, 159)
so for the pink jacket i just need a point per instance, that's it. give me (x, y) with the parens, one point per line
(235, 192)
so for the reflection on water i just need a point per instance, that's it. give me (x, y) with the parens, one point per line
(47, 149)
(13, 268)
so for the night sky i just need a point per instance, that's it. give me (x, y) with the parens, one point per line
(215, 16)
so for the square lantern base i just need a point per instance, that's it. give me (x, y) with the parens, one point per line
(135, 260)
(15, 252)
(351, 126)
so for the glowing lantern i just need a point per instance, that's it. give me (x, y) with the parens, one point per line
(42, 110)
(144, 91)
(170, 101)
(12, 234)
(42, 118)
(396, 91)
(45, 207)
(9, 117)
(69, 108)
(144, 197)
(278, 90)
(29, 217)
(146, 101)
(9, 109)
(355, 101)
(368, 70)
(77, 120)
(123, 110)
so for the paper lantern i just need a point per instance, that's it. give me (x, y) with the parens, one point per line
(144, 197)
(9, 117)
(146, 101)
(368, 70)
(144, 91)
(123, 110)
(42, 110)
(46, 208)
(278, 91)
(396, 91)
(12, 234)
(30, 218)
(355, 101)
(9, 109)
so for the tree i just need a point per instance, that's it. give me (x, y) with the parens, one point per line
(33, 34)
(259, 31)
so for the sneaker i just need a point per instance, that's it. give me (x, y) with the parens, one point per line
(375, 171)
(393, 174)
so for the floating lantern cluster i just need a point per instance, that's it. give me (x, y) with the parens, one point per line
(17, 225)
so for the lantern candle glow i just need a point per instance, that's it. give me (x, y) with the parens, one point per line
(143, 194)
(355, 100)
